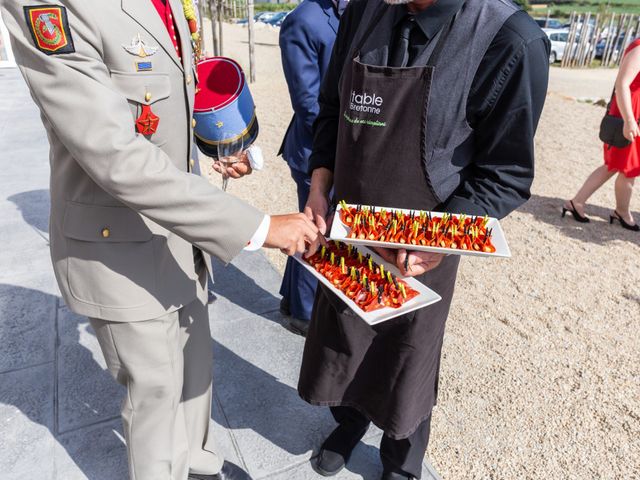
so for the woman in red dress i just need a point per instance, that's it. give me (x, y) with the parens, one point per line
(625, 162)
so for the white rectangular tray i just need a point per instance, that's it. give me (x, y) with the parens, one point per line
(339, 231)
(425, 298)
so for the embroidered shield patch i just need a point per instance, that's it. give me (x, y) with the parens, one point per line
(49, 28)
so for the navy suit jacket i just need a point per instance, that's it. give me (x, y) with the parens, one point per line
(306, 42)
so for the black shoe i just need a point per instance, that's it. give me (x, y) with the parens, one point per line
(616, 216)
(229, 471)
(336, 451)
(284, 307)
(574, 213)
(396, 476)
(328, 463)
(299, 327)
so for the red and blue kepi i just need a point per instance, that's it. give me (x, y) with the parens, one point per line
(224, 111)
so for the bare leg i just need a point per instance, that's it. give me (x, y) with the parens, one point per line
(624, 189)
(597, 178)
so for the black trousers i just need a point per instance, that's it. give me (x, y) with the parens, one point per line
(399, 456)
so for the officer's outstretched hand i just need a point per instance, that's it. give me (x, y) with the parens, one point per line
(291, 233)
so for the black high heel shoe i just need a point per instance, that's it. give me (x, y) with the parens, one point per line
(574, 213)
(623, 224)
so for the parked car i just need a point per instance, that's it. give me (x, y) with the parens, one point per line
(592, 23)
(552, 23)
(276, 20)
(279, 23)
(258, 17)
(244, 21)
(558, 40)
(603, 42)
(265, 17)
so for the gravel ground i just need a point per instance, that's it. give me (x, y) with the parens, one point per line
(540, 375)
(588, 83)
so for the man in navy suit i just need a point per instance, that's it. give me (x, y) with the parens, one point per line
(306, 41)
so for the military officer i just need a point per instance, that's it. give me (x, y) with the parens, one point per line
(131, 227)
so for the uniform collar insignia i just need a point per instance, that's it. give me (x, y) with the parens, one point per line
(139, 48)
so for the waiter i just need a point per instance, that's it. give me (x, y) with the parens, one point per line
(426, 105)
(131, 227)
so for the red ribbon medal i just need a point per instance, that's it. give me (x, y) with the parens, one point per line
(147, 122)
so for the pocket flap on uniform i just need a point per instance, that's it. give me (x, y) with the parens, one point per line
(143, 88)
(95, 223)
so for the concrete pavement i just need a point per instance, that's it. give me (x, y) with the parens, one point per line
(59, 406)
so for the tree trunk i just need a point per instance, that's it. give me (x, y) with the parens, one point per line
(214, 28)
(200, 4)
(220, 27)
(546, 22)
(252, 42)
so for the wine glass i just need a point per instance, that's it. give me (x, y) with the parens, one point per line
(230, 151)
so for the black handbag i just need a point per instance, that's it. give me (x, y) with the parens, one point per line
(611, 129)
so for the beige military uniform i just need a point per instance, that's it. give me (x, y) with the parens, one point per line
(126, 211)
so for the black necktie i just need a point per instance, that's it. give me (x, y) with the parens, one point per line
(400, 55)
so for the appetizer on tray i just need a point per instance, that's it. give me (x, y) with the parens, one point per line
(361, 279)
(419, 230)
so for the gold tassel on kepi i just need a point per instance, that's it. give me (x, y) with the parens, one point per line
(224, 109)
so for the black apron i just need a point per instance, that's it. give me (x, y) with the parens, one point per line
(389, 372)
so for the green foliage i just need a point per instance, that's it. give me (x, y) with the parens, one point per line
(273, 7)
(524, 4)
(563, 8)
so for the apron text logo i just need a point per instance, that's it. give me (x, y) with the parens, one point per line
(359, 121)
(365, 103)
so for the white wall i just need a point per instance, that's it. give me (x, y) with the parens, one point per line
(6, 55)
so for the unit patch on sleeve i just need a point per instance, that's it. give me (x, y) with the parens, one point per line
(49, 28)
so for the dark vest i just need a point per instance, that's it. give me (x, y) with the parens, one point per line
(447, 127)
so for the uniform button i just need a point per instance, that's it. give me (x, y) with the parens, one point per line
(147, 97)
(106, 233)
(189, 79)
(192, 163)
(193, 123)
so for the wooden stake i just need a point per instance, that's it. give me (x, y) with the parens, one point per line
(615, 55)
(567, 56)
(615, 50)
(593, 41)
(626, 41)
(611, 39)
(597, 28)
(607, 42)
(582, 46)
